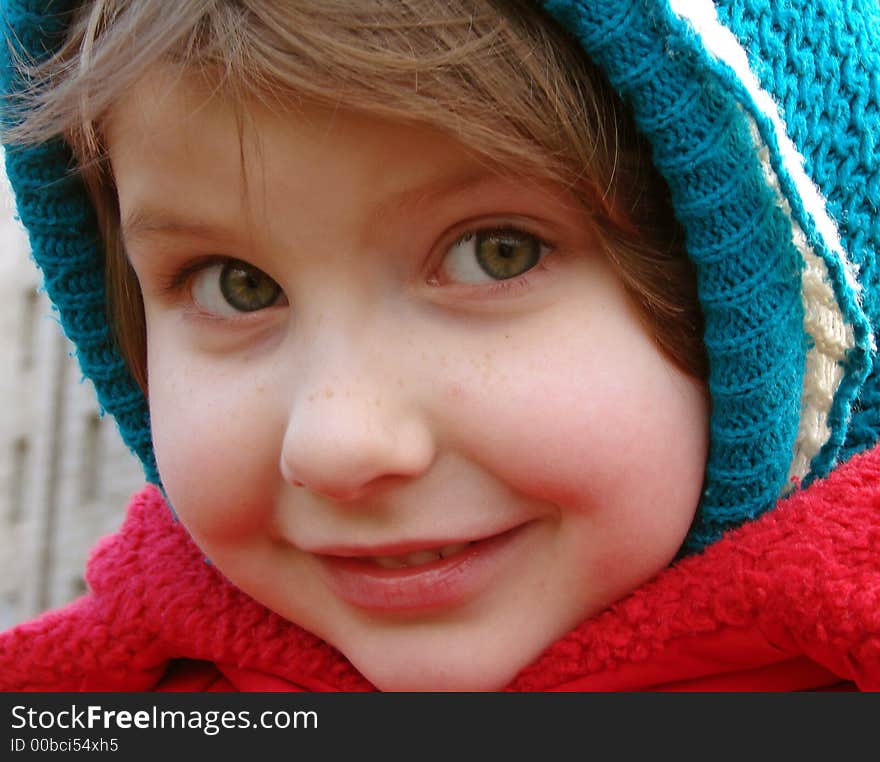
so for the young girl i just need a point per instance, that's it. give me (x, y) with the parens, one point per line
(467, 345)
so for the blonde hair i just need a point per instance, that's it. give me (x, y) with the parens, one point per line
(498, 75)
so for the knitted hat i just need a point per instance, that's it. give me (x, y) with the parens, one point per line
(764, 119)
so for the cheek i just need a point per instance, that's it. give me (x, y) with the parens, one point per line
(609, 435)
(216, 447)
(598, 419)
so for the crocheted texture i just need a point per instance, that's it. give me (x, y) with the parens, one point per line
(817, 59)
(701, 121)
(789, 601)
(823, 61)
(65, 243)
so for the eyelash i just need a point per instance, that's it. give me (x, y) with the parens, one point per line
(515, 285)
(173, 283)
(180, 280)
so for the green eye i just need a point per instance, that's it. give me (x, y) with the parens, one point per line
(246, 288)
(488, 256)
(506, 254)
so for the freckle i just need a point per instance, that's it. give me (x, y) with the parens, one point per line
(328, 393)
(378, 402)
(506, 335)
(320, 318)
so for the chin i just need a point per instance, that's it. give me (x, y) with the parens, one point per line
(435, 679)
(464, 672)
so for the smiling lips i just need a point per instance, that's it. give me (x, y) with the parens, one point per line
(424, 579)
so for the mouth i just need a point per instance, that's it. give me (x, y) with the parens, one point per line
(424, 577)
(417, 558)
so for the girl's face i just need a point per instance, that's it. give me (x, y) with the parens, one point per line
(397, 396)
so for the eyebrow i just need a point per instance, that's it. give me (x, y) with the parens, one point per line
(143, 223)
(426, 193)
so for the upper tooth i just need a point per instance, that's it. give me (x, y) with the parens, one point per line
(419, 557)
(451, 550)
(411, 559)
(390, 562)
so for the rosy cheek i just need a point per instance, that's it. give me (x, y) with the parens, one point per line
(514, 431)
(215, 498)
(566, 426)
(455, 392)
(217, 463)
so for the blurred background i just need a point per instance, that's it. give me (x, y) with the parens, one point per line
(65, 476)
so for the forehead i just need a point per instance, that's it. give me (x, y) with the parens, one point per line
(172, 131)
(188, 159)
(176, 113)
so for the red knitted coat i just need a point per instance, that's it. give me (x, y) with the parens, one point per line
(790, 601)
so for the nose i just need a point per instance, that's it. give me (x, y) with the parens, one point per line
(343, 440)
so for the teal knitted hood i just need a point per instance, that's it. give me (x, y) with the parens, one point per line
(763, 116)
